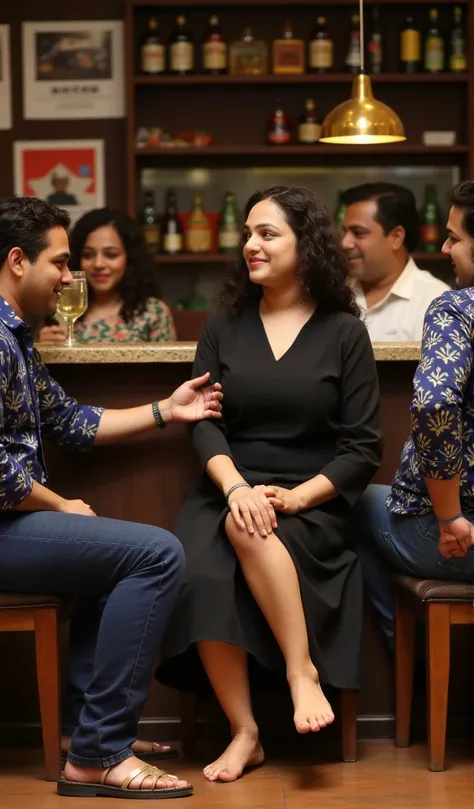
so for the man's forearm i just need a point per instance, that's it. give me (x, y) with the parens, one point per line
(117, 424)
(445, 497)
(40, 499)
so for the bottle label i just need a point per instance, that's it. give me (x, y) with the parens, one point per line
(321, 53)
(198, 239)
(353, 54)
(430, 234)
(410, 45)
(214, 56)
(151, 234)
(434, 53)
(229, 237)
(458, 60)
(153, 58)
(375, 53)
(173, 242)
(309, 132)
(182, 56)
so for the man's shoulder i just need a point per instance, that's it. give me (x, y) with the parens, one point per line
(424, 280)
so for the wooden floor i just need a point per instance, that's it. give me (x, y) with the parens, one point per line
(383, 777)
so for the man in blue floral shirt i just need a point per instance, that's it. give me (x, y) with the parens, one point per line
(125, 576)
(423, 523)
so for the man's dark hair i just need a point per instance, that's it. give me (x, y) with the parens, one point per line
(25, 222)
(396, 206)
(462, 196)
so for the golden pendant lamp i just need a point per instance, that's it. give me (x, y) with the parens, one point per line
(362, 119)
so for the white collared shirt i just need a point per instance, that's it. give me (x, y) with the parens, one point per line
(399, 316)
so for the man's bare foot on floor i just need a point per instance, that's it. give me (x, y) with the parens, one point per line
(140, 747)
(312, 710)
(244, 750)
(118, 774)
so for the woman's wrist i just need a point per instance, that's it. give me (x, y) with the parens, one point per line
(242, 484)
(448, 520)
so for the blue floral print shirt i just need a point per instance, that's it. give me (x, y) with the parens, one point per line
(32, 406)
(441, 445)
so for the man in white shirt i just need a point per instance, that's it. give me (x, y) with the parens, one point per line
(381, 230)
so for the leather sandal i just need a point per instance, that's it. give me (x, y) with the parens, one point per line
(153, 754)
(76, 789)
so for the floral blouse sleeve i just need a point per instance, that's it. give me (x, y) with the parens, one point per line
(440, 383)
(161, 327)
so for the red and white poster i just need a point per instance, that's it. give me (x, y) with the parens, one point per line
(67, 173)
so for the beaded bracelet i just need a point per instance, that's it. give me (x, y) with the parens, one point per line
(234, 487)
(158, 417)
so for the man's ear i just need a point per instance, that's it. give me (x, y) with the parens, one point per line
(16, 261)
(397, 236)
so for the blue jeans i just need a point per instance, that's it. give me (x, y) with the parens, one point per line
(410, 544)
(125, 577)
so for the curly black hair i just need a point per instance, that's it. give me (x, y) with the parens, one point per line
(323, 269)
(137, 283)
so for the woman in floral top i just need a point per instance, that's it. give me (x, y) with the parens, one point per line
(107, 245)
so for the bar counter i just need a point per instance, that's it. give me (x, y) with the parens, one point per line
(145, 480)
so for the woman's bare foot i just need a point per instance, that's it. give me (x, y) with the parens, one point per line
(312, 710)
(244, 750)
(140, 747)
(118, 774)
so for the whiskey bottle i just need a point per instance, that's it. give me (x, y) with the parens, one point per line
(278, 127)
(410, 47)
(229, 232)
(171, 230)
(150, 222)
(198, 230)
(321, 48)
(181, 47)
(457, 43)
(214, 48)
(352, 60)
(430, 221)
(288, 52)
(434, 44)
(309, 128)
(375, 44)
(152, 50)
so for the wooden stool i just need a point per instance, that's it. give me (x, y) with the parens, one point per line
(348, 707)
(439, 604)
(40, 614)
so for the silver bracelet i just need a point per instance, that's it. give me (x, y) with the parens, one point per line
(234, 487)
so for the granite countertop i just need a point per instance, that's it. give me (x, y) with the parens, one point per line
(109, 353)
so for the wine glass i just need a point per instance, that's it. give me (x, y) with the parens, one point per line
(72, 304)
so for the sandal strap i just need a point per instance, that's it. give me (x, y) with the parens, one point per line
(104, 775)
(148, 771)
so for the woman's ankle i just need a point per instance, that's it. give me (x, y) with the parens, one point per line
(306, 670)
(247, 729)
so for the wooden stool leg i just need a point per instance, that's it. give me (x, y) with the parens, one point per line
(437, 676)
(188, 704)
(349, 725)
(47, 668)
(405, 624)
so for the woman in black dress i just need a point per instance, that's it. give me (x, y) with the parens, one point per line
(270, 571)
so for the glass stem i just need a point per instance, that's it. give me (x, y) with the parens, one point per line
(70, 331)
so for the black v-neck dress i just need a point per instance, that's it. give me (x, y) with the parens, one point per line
(315, 410)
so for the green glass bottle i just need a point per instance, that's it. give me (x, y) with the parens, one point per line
(430, 221)
(229, 232)
(434, 44)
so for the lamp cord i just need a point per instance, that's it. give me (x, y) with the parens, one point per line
(361, 34)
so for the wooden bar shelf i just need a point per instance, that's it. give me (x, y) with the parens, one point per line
(223, 258)
(216, 5)
(305, 78)
(292, 151)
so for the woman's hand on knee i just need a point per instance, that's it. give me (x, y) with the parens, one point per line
(250, 508)
(285, 500)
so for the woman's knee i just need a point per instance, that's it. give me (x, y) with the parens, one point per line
(239, 538)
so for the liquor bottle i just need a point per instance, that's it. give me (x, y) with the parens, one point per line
(288, 52)
(309, 128)
(375, 44)
(352, 60)
(248, 56)
(430, 221)
(433, 60)
(152, 50)
(229, 232)
(278, 127)
(321, 48)
(410, 47)
(181, 47)
(150, 222)
(171, 230)
(457, 43)
(214, 48)
(198, 229)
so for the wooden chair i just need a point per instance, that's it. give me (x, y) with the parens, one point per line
(40, 614)
(348, 706)
(440, 604)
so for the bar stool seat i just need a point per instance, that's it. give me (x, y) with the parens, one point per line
(440, 604)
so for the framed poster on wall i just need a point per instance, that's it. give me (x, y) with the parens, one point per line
(73, 70)
(5, 79)
(67, 173)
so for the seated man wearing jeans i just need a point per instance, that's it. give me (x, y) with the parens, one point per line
(423, 523)
(125, 576)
